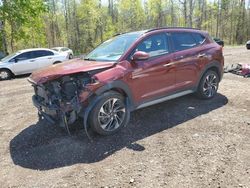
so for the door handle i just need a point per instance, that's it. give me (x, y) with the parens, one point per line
(201, 55)
(32, 60)
(49, 57)
(179, 57)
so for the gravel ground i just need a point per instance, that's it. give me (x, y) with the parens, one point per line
(184, 142)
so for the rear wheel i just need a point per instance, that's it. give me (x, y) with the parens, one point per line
(110, 114)
(5, 74)
(208, 86)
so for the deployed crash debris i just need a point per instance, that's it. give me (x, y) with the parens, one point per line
(239, 69)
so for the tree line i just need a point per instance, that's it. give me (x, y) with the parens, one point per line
(83, 24)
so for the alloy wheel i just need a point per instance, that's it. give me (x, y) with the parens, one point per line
(112, 114)
(4, 75)
(210, 85)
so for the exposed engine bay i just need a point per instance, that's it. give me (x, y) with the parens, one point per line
(59, 101)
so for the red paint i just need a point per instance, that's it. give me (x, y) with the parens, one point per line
(148, 78)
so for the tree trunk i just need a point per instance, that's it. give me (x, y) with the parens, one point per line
(4, 40)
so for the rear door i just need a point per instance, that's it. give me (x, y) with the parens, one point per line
(188, 58)
(44, 58)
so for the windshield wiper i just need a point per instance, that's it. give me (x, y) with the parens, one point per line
(89, 59)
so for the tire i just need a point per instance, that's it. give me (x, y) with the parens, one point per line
(5, 74)
(70, 56)
(208, 85)
(248, 46)
(110, 114)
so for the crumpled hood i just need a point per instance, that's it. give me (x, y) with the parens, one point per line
(66, 68)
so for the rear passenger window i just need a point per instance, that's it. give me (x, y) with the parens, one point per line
(41, 53)
(200, 39)
(183, 41)
(154, 45)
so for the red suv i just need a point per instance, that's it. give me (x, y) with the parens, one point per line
(128, 72)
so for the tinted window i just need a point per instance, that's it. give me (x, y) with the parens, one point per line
(25, 56)
(41, 53)
(183, 41)
(200, 39)
(154, 45)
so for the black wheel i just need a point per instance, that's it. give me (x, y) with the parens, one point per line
(248, 46)
(208, 86)
(110, 114)
(70, 56)
(5, 74)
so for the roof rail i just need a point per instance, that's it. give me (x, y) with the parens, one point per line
(159, 28)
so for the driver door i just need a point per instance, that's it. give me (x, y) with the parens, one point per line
(155, 77)
(24, 63)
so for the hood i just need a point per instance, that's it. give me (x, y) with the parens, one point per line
(3, 63)
(69, 67)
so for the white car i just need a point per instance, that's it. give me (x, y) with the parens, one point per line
(64, 50)
(29, 60)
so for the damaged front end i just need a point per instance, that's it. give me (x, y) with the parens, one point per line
(63, 100)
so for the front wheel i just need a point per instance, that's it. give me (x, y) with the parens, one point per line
(5, 74)
(208, 86)
(110, 114)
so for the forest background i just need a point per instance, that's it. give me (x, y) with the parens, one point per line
(83, 24)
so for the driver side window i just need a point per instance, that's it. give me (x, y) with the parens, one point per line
(23, 56)
(155, 45)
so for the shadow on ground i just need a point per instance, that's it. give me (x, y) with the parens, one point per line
(43, 147)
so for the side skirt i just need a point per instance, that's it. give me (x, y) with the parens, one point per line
(169, 97)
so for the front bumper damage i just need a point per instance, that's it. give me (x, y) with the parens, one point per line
(55, 109)
(63, 116)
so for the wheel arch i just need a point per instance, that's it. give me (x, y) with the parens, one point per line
(12, 74)
(120, 87)
(215, 66)
(56, 62)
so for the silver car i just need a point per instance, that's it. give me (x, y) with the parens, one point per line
(26, 61)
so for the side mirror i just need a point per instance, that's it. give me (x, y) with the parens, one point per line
(140, 55)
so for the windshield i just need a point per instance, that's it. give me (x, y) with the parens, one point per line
(7, 58)
(113, 49)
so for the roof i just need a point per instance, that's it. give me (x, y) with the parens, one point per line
(160, 28)
(33, 49)
(155, 29)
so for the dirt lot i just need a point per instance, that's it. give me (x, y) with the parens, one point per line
(185, 142)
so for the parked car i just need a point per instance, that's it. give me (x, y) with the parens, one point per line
(219, 41)
(27, 61)
(128, 72)
(248, 45)
(64, 50)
